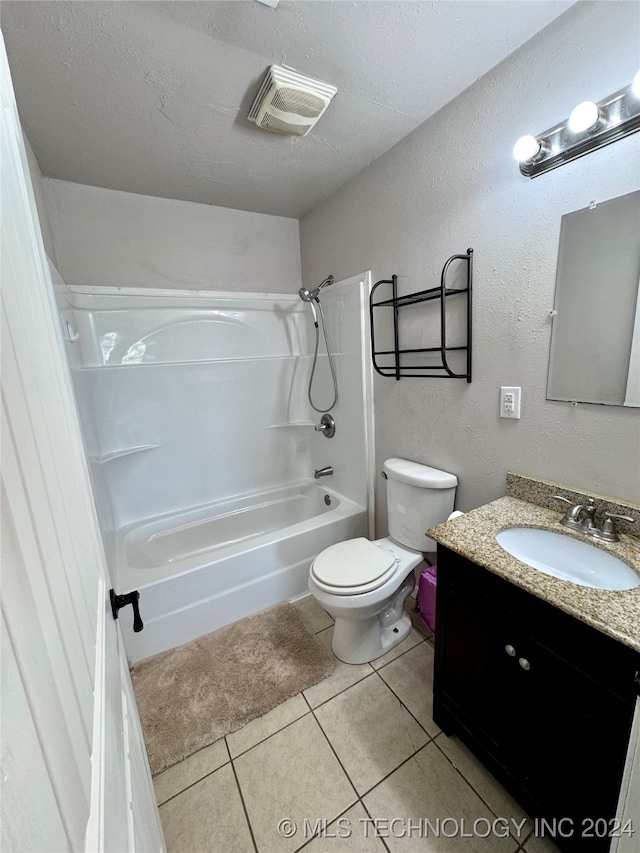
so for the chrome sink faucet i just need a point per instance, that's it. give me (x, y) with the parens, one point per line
(573, 517)
(588, 512)
(580, 517)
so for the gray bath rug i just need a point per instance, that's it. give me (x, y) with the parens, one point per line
(190, 696)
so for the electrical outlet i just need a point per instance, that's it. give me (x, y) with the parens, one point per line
(509, 402)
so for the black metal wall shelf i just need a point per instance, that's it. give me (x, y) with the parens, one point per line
(395, 367)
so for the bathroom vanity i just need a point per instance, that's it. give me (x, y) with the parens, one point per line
(537, 676)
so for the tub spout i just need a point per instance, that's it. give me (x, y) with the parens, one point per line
(323, 472)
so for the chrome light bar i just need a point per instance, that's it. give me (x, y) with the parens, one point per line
(589, 127)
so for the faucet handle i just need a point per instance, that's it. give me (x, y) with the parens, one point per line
(608, 532)
(327, 426)
(573, 510)
(621, 517)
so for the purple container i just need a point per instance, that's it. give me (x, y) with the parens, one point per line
(427, 596)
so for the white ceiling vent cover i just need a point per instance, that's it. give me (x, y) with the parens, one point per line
(289, 102)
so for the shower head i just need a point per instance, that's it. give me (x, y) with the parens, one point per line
(308, 295)
(311, 296)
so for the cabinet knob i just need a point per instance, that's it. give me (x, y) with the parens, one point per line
(510, 651)
(524, 663)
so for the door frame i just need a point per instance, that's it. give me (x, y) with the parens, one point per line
(67, 700)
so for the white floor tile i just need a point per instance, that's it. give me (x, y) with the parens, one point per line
(491, 791)
(343, 676)
(540, 845)
(263, 727)
(190, 770)
(370, 730)
(411, 679)
(208, 817)
(293, 775)
(428, 787)
(314, 617)
(408, 643)
(351, 833)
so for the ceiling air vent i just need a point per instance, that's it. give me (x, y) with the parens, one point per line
(290, 103)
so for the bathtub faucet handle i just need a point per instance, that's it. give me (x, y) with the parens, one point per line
(327, 426)
(323, 472)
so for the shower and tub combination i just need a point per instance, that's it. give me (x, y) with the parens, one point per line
(311, 297)
(214, 480)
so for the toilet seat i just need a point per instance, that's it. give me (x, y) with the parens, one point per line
(353, 567)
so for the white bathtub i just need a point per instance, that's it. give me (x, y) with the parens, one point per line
(201, 446)
(201, 569)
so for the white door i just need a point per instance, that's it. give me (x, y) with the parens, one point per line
(74, 771)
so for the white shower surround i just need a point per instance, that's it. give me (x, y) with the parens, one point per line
(202, 448)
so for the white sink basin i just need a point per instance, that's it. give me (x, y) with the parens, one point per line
(567, 558)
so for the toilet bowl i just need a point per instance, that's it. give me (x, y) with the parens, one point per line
(364, 584)
(369, 608)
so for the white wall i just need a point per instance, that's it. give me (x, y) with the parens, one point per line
(113, 238)
(453, 183)
(38, 191)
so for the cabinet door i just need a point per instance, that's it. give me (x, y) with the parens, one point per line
(576, 748)
(477, 673)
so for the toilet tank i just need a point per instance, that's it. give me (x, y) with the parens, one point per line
(418, 497)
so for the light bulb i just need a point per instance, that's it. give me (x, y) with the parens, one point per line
(583, 117)
(526, 149)
(635, 86)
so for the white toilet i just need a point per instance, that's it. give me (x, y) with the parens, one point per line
(364, 584)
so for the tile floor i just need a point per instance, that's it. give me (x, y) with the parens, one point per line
(357, 758)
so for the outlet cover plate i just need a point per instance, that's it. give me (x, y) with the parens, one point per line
(510, 401)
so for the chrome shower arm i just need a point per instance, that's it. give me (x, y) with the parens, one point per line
(328, 280)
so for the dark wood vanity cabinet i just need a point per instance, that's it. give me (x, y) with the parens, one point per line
(544, 700)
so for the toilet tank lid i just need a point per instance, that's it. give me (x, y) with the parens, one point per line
(419, 475)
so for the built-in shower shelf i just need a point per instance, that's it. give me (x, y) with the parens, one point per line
(293, 424)
(118, 454)
(211, 361)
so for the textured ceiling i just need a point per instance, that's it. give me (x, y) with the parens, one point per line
(152, 97)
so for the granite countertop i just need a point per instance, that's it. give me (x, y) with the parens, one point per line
(614, 612)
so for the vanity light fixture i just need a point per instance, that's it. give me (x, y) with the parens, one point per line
(526, 149)
(590, 126)
(586, 117)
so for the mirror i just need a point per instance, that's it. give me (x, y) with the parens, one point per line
(595, 336)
